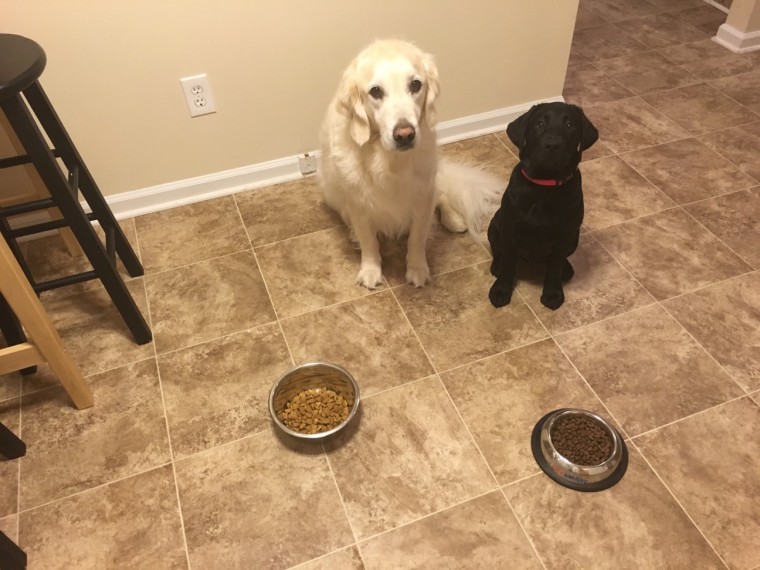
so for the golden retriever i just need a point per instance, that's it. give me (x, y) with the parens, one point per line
(379, 166)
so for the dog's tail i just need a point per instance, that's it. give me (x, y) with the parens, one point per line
(467, 196)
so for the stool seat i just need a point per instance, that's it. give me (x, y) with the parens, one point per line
(22, 63)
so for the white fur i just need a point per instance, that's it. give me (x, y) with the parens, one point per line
(375, 187)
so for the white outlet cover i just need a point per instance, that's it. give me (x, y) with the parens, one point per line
(198, 95)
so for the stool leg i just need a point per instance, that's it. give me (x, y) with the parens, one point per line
(44, 338)
(11, 447)
(65, 146)
(11, 556)
(36, 147)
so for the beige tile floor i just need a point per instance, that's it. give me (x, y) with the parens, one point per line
(178, 466)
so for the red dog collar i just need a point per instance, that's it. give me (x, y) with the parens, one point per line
(546, 181)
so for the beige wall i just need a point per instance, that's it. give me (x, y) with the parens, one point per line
(114, 67)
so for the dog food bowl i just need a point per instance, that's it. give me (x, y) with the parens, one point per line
(313, 375)
(602, 475)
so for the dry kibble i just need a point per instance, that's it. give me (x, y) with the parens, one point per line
(314, 411)
(581, 439)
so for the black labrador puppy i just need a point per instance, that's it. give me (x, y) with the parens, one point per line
(542, 209)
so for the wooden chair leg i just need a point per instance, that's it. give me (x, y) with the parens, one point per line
(22, 299)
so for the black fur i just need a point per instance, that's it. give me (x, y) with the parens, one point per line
(536, 222)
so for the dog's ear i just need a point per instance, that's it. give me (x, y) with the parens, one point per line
(516, 130)
(350, 104)
(589, 134)
(433, 88)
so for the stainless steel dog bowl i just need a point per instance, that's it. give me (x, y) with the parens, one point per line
(313, 375)
(572, 475)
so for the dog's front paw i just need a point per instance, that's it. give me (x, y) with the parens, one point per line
(370, 275)
(500, 294)
(553, 299)
(418, 275)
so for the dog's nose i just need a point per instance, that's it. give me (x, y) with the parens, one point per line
(403, 133)
(552, 142)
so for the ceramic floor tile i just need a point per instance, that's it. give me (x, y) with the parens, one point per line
(740, 145)
(642, 526)
(585, 84)
(646, 72)
(722, 502)
(9, 527)
(485, 151)
(631, 124)
(646, 369)
(669, 254)
(346, 559)
(617, 10)
(70, 450)
(260, 503)
(189, 234)
(408, 456)
(723, 318)
(685, 54)
(9, 468)
(94, 332)
(721, 66)
(481, 533)
(218, 391)
(133, 523)
(687, 170)
(370, 337)
(613, 192)
(284, 211)
(206, 300)
(700, 108)
(703, 16)
(661, 30)
(605, 42)
(744, 89)
(457, 324)
(502, 397)
(49, 258)
(735, 219)
(587, 17)
(446, 251)
(600, 288)
(311, 272)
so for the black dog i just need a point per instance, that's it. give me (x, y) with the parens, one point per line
(542, 209)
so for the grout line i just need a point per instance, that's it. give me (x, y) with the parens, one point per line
(695, 414)
(521, 479)
(325, 555)
(168, 430)
(194, 263)
(662, 481)
(522, 528)
(95, 487)
(342, 501)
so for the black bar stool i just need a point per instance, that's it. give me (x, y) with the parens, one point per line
(22, 100)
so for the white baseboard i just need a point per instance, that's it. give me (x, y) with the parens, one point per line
(737, 41)
(181, 192)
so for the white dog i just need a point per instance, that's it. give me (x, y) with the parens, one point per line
(379, 166)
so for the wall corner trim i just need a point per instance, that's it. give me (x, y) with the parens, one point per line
(737, 41)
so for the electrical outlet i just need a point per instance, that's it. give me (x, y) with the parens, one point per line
(307, 163)
(198, 95)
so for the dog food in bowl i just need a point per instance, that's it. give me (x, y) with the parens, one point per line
(581, 440)
(314, 411)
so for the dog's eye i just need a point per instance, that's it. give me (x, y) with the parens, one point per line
(569, 124)
(415, 86)
(376, 92)
(539, 124)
